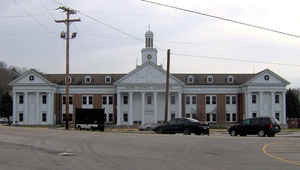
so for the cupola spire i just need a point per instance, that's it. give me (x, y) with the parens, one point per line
(149, 54)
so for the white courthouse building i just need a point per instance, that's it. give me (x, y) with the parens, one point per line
(138, 97)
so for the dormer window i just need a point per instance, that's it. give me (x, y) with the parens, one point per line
(267, 77)
(230, 79)
(210, 79)
(31, 77)
(107, 79)
(190, 79)
(87, 79)
(70, 80)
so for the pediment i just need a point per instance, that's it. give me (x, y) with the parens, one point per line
(31, 77)
(148, 73)
(267, 77)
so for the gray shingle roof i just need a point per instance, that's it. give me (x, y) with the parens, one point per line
(199, 79)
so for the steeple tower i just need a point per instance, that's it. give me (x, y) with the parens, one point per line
(149, 54)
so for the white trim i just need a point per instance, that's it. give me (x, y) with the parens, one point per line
(269, 72)
(33, 72)
(179, 105)
(143, 107)
(130, 113)
(283, 120)
(118, 108)
(14, 106)
(155, 107)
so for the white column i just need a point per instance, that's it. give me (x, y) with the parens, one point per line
(118, 108)
(260, 105)
(25, 114)
(14, 107)
(130, 114)
(249, 103)
(143, 107)
(283, 117)
(49, 114)
(155, 107)
(179, 105)
(37, 116)
(272, 104)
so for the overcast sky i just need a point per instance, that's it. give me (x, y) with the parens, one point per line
(29, 37)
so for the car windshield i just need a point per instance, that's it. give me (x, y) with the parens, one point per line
(274, 121)
(193, 120)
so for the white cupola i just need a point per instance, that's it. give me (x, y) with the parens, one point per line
(149, 54)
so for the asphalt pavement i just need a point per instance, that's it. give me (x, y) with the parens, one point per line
(52, 149)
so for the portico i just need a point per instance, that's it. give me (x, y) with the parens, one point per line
(33, 107)
(139, 107)
(266, 103)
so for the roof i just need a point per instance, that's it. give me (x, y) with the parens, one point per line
(218, 79)
(78, 79)
(199, 79)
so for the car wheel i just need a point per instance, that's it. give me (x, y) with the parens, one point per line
(233, 133)
(186, 132)
(244, 134)
(79, 127)
(198, 133)
(261, 133)
(159, 131)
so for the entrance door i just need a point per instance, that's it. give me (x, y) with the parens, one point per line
(31, 114)
(149, 117)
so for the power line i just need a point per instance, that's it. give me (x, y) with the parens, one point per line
(18, 16)
(116, 29)
(224, 19)
(49, 14)
(180, 54)
(34, 19)
(112, 27)
(233, 59)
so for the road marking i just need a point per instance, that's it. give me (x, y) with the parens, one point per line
(264, 149)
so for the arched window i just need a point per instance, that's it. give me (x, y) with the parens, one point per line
(210, 79)
(230, 79)
(107, 79)
(190, 79)
(87, 79)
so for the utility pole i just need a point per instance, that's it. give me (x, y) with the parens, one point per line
(167, 87)
(66, 36)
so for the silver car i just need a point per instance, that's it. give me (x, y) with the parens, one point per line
(148, 126)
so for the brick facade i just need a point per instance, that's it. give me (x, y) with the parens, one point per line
(57, 107)
(241, 107)
(97, 101)
(221, 109)
(201, 107)
(76, 104)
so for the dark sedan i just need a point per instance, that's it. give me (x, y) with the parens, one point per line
(183, 125)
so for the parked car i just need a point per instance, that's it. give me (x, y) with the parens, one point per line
(148, 126)
(3, 120)
(183, 125)
(255, 126)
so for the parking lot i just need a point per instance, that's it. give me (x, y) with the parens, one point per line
(43, 148)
